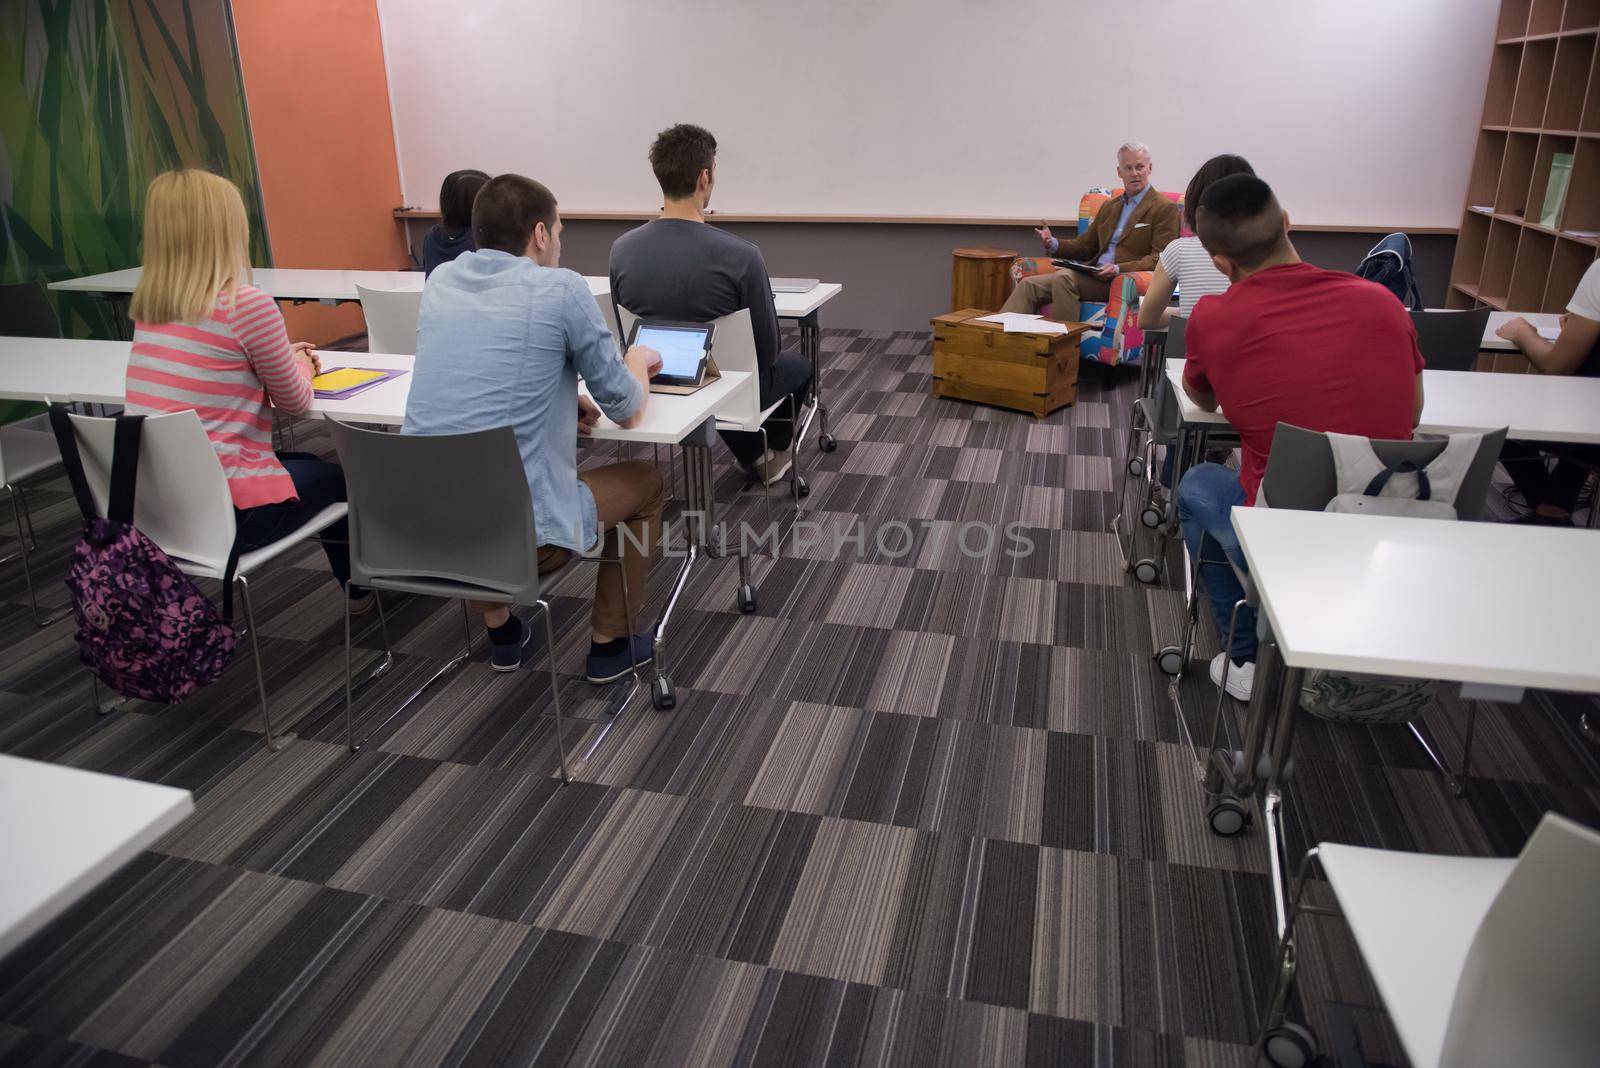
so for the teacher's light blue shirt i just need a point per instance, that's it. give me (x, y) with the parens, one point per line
(501, 341)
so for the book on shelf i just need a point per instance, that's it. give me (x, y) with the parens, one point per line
(1555, 192)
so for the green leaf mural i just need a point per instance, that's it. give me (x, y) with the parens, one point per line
(97, 97)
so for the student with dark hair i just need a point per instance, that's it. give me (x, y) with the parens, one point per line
(1185, 264)
(680, 268)
(1287, 342)
(452, 234)
(502, 336)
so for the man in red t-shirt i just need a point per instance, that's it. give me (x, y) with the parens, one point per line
(1291, 343)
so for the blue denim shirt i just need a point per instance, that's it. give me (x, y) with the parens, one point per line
(501, 341)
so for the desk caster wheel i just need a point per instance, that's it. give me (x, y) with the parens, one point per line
(1150, 517)
(827, 443)
(1228, 818)
(1147, 572)
(747, 599)
(1290, 1046)
(1171, 660)
(1136, 467)
(662, 695)
(802, 488)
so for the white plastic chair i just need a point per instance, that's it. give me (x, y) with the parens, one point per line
(1481, 961)
(391, 316)
(182, 503)
(26, 453)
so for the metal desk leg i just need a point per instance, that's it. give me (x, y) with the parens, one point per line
(811, 347)
(699, 514)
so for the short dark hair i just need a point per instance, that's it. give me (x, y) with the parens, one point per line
(1240, 218)
(678, 156)
(1212, 170)
(507, 209)
(455, 198)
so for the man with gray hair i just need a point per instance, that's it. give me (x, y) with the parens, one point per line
(1126, 235)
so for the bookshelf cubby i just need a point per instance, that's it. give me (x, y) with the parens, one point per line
(1542, 101)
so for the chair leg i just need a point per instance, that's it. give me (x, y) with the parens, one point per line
(349, 687)
(555, 684)
(1466, 750)
(274, 744)
(18, 506)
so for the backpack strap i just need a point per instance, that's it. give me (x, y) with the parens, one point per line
(72, 461)
(1404, 467)
(124, 468)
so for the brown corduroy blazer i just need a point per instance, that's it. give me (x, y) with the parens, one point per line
(1152, 226)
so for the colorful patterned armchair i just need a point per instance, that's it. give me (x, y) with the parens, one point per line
(1119, 339)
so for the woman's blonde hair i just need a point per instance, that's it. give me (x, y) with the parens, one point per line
(196, 247)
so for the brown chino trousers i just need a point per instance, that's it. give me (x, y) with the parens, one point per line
(1063, 290)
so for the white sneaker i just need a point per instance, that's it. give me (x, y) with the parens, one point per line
(774, 465)
(1241, 677)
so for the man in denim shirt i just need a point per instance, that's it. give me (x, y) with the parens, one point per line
(502, 337)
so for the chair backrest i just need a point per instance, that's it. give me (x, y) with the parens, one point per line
(1530, 987)
(608, 312)
(414, 516)
(181, 500)
(391, 316)
(1300, 472)
(1450, 340)
(733, 346)
(25, 311)
(1175, 331)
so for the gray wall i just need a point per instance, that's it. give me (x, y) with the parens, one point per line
(897, 276)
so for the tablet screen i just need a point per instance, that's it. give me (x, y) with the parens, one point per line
(681, 348)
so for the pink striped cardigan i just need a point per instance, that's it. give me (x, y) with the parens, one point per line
(225, 368)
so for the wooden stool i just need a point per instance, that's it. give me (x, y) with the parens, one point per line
(980, 278)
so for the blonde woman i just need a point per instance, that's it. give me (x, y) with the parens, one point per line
(206, 340)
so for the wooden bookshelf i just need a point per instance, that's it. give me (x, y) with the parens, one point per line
(1542, 99)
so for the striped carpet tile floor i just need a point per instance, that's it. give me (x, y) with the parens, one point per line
(929, 805)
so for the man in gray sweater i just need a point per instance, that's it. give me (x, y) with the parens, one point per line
(679, 268)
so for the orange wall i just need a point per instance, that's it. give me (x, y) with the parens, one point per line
(318, 100)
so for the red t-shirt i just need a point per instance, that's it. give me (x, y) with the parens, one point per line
(1297, 344)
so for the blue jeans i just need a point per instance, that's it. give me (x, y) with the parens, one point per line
(1206, 496)
(318, 484)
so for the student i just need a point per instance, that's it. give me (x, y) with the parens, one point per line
(1127, 235)
(1553, 493)
(206, 340)
(1287, 342)
(680, 268)
(1185, 263)
(452, 234)
(502, 336)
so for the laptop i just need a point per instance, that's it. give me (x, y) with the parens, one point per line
(794, 285)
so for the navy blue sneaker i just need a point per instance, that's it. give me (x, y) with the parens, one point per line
(508, 657)
(611, 666)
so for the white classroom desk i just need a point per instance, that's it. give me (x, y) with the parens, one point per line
(1497, 319)
(65, 831)
(1561, 409)
(1501, 604)
(65, 370)
(337, 287)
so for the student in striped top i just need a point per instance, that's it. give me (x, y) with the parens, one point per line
(206, 340)
(1185, 263)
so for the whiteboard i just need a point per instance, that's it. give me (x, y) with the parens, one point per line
(1359, 112)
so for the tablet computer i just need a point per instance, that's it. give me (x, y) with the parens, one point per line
(1074, 265)
(684, 348)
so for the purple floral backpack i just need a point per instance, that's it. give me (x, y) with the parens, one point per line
(144, 628)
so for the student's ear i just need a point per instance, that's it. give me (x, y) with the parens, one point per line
(1286, 226)
(538, 239)
(1225, 265)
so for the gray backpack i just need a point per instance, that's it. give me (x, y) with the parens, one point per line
(1368, 486)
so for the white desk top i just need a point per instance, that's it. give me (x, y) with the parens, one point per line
(1497, 319)
(1495, 603)
(95, 371)
(1535, 407)
(289, 283)
(67, 830)
(789, 305)
(280, 283)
